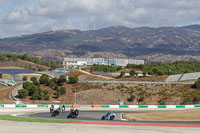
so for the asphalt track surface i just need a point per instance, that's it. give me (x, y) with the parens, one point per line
(95, 116)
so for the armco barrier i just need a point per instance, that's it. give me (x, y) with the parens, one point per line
(99, 106)
(146, 106)
(33, 106)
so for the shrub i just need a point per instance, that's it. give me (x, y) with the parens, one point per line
(46, 92)
(55, 87)
(73, 80)
(23, 93)
(141, 99)
(187, 100)
(162, 102)
(131, 99)
(57, 94)
(1, 75)
(196, 99)
(62, 90)
(47, 97)
(197, 84)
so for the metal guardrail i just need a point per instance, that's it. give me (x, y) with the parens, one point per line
(12, 94)
(134, 82)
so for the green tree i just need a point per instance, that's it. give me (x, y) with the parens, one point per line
(197, 84)
(122, 74)
(28, 86)
(44, 79)
(41, 96)
(132, 73)
(1, 75)
(24, 57)
(23, 93)
(150, 73)
(41, 69)
(55, 80)
(33, 79)
(61, 80)
(2, 57)
(36, 83)
(35, 96)
(25, 78)
(144, 74)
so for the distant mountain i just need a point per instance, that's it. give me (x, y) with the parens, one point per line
(116, 41)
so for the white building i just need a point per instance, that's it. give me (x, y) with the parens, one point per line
(102, 61)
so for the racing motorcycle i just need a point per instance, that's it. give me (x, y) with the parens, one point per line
(109, 116)
(73, 113)
(56, 112)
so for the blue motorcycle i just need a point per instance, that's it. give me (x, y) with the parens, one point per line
(109, 116)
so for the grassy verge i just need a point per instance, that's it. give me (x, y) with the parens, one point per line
(21, 119)
(180, 115)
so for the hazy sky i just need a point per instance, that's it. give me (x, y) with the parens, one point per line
(19, 17)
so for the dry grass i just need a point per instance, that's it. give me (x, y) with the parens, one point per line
(179, 115)
(151, 78)
(20, 64)
(5, 94)
(109, 93)
(6, 76)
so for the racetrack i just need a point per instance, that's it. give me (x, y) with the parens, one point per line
(89, 122)
(95, 115)
(83, 115)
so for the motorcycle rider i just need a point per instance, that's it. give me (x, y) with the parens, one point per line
(51, 108)
(108, 113)
(72, 109)
(63, 108)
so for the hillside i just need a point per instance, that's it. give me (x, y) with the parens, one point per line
(116, 41)
(20, 64)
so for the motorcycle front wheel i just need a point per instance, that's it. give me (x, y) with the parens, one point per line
(103, 118)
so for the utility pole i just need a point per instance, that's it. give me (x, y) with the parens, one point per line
(75, 97)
